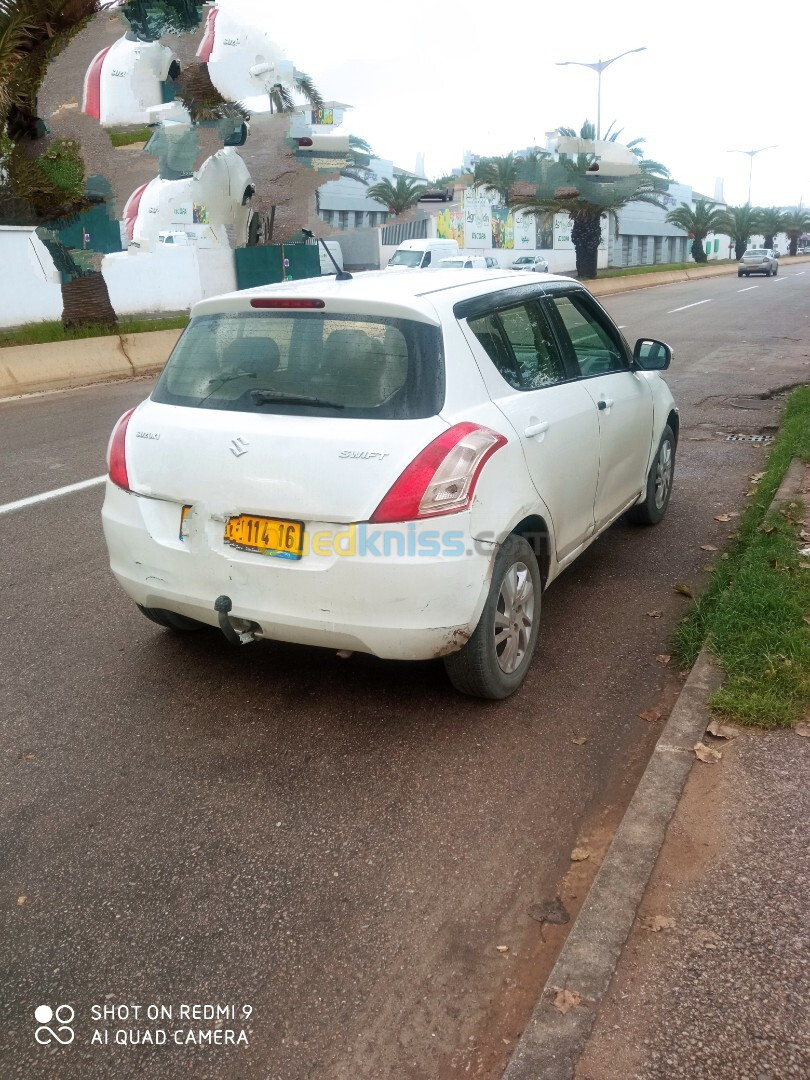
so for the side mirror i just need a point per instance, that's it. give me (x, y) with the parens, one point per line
(652, 355)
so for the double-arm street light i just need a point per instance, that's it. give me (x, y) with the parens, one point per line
(752, 154)
(599, 67)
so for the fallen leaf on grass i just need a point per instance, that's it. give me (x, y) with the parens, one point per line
(806, 619)
(659, 922)
(805, 565)
(654, 614)
(652, 716)
(684, 590)
(767, 530)
(579, 740)
(708, 547)
(663, 658)
(566, 1000)
(580, 854)
(21, 900)
(502, 948)
(723, 731)
(706, 753)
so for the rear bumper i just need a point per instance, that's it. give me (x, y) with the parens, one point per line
(398, 592)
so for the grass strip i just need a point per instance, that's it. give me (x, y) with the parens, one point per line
(128, 138)
(45, 332)
(659, 268)
(752, 615)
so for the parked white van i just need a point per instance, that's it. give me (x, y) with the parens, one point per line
(417, 254)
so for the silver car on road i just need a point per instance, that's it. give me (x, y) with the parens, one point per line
(758, 261)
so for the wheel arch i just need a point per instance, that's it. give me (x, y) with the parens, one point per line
(535, 531)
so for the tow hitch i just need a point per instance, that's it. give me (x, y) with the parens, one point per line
(237, 631)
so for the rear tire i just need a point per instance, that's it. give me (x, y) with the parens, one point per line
(659, 483)
(496, 659)
(171, 620)
(739, 273)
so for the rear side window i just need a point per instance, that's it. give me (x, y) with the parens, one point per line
(519, 342)
(307, 363)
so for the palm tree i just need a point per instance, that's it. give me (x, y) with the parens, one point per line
(796, 222)
(42, 180)
(398, 197)
(573, 186)
(771, 222)
(740, 223)
(698, 223)
(500, 175)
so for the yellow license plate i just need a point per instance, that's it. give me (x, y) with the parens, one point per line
(268, 536)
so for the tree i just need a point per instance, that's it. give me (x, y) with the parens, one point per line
(42, 179)
(796, 222)
(574, 186)
(398, 197)
(771, 222)
(740, 223)
(501, 174)
(698, 223)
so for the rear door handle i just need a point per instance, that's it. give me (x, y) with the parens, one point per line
(605, 403)
(536, 429)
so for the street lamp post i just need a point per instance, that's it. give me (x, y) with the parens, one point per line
(751, 155)
(599, 67)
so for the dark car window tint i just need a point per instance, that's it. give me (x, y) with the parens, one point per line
(519, 342)
(595, 346)
(368, 367)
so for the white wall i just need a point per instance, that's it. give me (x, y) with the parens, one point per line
(30, 288)
(170, 278)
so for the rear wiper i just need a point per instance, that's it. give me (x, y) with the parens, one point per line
(266, 397)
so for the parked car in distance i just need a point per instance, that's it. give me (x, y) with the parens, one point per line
(492, 262)
(394, 464)
(758, 261)
(463, 262)
(444, 193)
(531, 262)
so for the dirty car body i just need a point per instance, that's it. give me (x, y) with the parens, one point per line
(384, 464)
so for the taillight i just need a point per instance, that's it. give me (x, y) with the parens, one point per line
(117, 454)
(442, 478)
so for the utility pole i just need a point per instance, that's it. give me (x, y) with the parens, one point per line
(599, 67)
(751, 154)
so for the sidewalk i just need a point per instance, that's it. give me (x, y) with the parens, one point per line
(721, 990)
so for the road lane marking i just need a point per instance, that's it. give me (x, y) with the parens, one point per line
(778, 280)
(750, 287)
(32, 500)
(685, 306)
(801, 272)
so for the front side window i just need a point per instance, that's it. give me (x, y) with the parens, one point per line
(307, 363)
(405, 258)
(519, 342)
(594, 343)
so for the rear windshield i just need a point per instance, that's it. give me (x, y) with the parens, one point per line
(307, 363)
(756, 251)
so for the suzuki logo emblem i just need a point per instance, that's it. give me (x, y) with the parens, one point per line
(239, 446)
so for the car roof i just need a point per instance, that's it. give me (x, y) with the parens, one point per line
(396, 287)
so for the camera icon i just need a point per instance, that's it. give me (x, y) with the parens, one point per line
(63, 1016)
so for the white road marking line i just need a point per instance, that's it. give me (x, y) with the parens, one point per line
(696, 304)
(801, 272)
(778, 280)
(748, 289)
(32, 500)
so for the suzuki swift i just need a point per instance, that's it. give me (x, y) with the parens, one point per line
(396, 464)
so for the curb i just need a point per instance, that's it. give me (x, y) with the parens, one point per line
(552, 1042)
(633, 282)
(26, 369)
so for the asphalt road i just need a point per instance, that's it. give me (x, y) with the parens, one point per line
(339, 845)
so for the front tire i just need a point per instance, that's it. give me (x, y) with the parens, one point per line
(171, 620)
(495, 660)
(659, 483)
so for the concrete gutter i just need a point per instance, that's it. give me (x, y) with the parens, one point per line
(553, 1041)
(25, 369)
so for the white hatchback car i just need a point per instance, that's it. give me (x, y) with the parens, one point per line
(397, 464)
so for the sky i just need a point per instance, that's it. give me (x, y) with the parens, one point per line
(442, 79)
